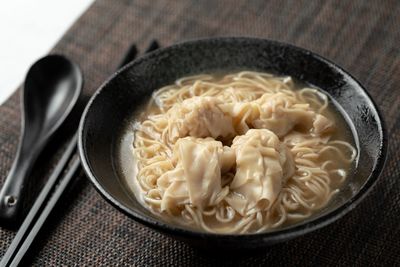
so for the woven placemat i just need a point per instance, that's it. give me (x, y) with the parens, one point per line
(361, 36)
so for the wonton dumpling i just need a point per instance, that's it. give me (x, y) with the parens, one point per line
(280, 113)
(277, 112)
(176, 193)
(199, 117)
(196, 179)
(261, 163)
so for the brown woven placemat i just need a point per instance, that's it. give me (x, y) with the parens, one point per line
(362, 36)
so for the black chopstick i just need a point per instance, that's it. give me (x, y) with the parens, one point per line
(45, 204)
(45, 213)
(154, 45)
(132, 53)
(19, 239)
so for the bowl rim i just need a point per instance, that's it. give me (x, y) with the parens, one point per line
(277, 234)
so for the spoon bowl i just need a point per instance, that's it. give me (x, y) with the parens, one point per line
(51, 89)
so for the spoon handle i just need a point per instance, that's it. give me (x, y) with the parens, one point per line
(14, 189)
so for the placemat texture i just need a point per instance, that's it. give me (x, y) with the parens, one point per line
(361, 36)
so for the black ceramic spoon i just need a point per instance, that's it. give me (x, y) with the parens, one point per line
(51, 89)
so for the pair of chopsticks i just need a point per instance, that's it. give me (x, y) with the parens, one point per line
(53, 190)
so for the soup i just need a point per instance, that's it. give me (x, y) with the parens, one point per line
(238, 153)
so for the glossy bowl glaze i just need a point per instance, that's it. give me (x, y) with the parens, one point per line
(115, 103)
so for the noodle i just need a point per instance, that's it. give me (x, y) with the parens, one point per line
(242, 153)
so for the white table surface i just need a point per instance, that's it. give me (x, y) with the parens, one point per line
(28, 30)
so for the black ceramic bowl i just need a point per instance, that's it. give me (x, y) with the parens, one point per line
(111, 108)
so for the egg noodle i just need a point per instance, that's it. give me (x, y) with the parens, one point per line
(238, 153)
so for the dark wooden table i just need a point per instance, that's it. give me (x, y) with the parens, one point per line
(361, 36)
